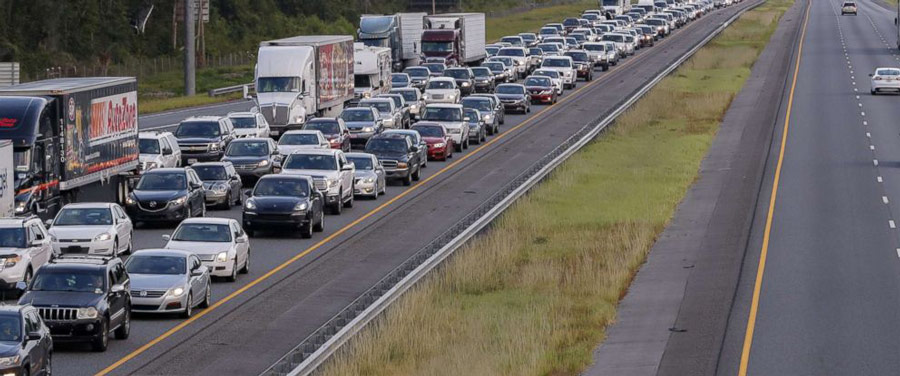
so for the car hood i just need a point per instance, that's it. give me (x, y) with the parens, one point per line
(542, 88)
(510, 96)
(144, 158)
(389, 155)
(200, 248)
(157, 195)
(244, 160)
(208, 184)
(156, 281)
(197, 140)
(314, 173)
(78, 232)
(276, 204)
(362, 174)
(8, 349)
(433, 140)
(60, 298)
(288, 149)
(360, 124)
(440, 91)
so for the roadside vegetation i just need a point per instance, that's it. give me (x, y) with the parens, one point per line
(534, 295)
(499, 27)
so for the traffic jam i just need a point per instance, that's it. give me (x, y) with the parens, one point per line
(335, 120)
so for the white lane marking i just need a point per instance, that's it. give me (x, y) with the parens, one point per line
(898, 252)
(891, 223)
(869, 135)
(875, 162)
(865, 122)
(854, 89)
(857, 97)
(880, 180)
(884, 199)
(860, 104)
(863, 113)
(871, 147)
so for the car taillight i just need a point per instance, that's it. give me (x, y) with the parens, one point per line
(878, 78)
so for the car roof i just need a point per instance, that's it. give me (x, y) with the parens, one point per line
(207, 220)
(443, 79)
(359, 155)
(443, 105)
(399, 131)
(202, 118)
(302, 131)
(8, 222)
(11, 307)
(376, 100)
(322, 119)
(390, 135)
(161, 252)
(427, 124)
(80, 205)
(163, 170)
(153, 134)
(242, 114)
(251, 139)
(285, 176)
(316, 151)
(202, 164)
(539, 76)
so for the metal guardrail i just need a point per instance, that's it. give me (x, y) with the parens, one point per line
(244, 88)
(325, 341)
(9, 74)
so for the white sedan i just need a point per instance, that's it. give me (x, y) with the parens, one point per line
(885, 79)
(98, 228)
(441, 90)
(221, 244)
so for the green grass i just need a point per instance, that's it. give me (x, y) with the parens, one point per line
(534, 295)
(165, 91)
(499, 27)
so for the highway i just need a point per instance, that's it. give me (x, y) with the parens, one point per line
(295, 285)
(819, 293)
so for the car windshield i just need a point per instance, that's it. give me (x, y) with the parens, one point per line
(149, 146)
(326, 127)
(510, 89)
(382, 107)
(534, 51)
(83, 217)
(358, 115)
(10, 327)
(481, 72)
(69, 280)
(594, 47)
(518, 52)
(471, 114)
(578, 56)
(282, 187)
(528, 37)
(361, 80)
(248, 149)
(494, 67)
(397, 145)
(202, 129)
(548, 73)
(167, 265)
(549, 48)
(244, 122)
(203, 232)
(210, 173)
(478, 104)
(535, 81)
(557, 63)
(399, 79)
(429, 131)
(12, 237)
(491, 51)
(614, 37)
(169, 181)
(310, 162)
(434, 67)
(417, 72)
(442, 114)
(396, 99)
(512, 40)
(408, 95)
(457, 73)
(437, 46)
(299, 139)
(548, 31)
(278, 84)
(362, 163)
(438, 84)
(579, 37)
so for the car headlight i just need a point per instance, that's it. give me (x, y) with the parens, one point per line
(401, 165)
(333, 183)
(367, 94)
(9, 361)
(301, 206)
(176, 291)
(452, 96)
(102, 237)
(220, 188)
(369, 180)
(86, 313)
(439, 145)
(368, 129)
(263, 163)
(486, 118)
(213, 147)
(151, 165)
(427, 96)
(178, 201)
(222, 257)
(20, 206)
(465, 84)
(250, 205)
(11, 261)
(130, 200)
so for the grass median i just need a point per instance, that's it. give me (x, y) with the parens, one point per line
(534, 295)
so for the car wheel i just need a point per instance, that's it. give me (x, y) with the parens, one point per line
(202, 210)
(407, 181)
(416, 175)
(239, 201)
(349, 203)
(207, 300)
(227, 204)
(48, 365)
(189, 308)
(246, 268)
(466, 143)
(124, 330)
(339, 207)
(234, 270)
(306, 232)
(873, 91)
(321, 225)
(130, 244)
(483, 135)
(458, 147)
(101, 342)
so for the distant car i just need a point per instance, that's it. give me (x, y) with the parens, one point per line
(465, 79)
(499, 71)
(535, 57)
(555, 79)
(499, 111)
(435, 69)
(416, 139)
(387, 110)
(483, 79)
(292, 141)
(487, 111)
(168, 281)
(82, 299)
(285, 202)
(440, 144)
(584, 67)
(221, 183)
(473, 119)
(442, 90)
(331, 172)
(249, 124)
(418, 76)
(550, 49)
(398, 156)
(99, 228)
(158, 149)
(531, 39)
(451, 117)
(204, 138)
(519, 57)
(369, 175)
(546, 32)
(334, 129)
(599, 54)
(26, 248)
(565, 66)
(885, 79)
(363, 123)
(167, 195)
(571, 24)
(622, 43)
(509, 64)
(413, 99)
(514, 97)
(514, 40)
(220, 243)
(26, 347)
(540, 89)
(253, 157)
(400, 80)
(402, 107)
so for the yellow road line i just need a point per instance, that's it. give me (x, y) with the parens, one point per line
(347, 227)
(754, 303)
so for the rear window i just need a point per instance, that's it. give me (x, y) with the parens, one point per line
(888, 72)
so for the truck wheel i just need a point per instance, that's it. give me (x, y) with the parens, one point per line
(349, 203)
(321, 225)
(407, 181)
(417, 174)
(124, 329)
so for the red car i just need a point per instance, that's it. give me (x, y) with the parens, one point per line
(440, 145)
(540, 89)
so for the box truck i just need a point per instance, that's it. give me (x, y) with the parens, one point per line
(616, 7)
(456, 37)
(67, 133)
(401, 32)
(372, 73)
(302, 77)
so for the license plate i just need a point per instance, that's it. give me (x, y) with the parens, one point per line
(192, 160)
(353, 135)
(274, 133)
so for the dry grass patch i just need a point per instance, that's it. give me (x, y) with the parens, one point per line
(534, 295)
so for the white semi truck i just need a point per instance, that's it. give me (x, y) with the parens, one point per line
(302, 77)
(372, 71)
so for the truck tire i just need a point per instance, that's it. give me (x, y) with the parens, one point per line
(416, 175)
(101, 342)
(349, 203)
(407, 181)
(319, 227)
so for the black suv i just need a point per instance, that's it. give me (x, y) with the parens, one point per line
(25, 341)
(253, 157)
(281, 201)
(204, 138)
(464, 77)
(167, 195)
(398, 155)
(82, 299)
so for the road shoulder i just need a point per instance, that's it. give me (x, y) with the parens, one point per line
(673, 319)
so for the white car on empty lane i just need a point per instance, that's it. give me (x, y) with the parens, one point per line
(885, 79)
(221, 244)
(98, 228)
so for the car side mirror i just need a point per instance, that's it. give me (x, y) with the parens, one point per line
(167, 151)
(196, 272)
(196, 185)
(870, 75)
(37, 243)
(414, 149)
(167, 237)
(33, 336)
(234, 177)
(48, 223)
(117, 288)
(21, 286)
(347, 167)
(240, 240)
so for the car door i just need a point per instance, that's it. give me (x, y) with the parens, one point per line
(117, 299)
(40, 248)
(195, 195)
(124, 227)
(241, 243)
(35, 349)
(197, 280)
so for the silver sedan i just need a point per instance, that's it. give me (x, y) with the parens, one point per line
(369, 175)
(168, 281)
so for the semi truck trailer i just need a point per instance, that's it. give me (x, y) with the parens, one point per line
(401, 32)
(456, 37)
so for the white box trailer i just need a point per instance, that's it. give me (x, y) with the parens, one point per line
(372, 73)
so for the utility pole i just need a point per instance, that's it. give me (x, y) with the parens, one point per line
(433, 7)
(190, 78)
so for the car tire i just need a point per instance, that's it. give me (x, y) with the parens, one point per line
(336, 209)
(203, 210)
(101, 343)
(246, 268)
(407, 181)
(306, 232)
(240, 200)
(873, 91)
(189, 307)
(207, 299)
(349, 203)
(124, 330)
(234, 272)
(321, 225)
(483, 136)
(48, 365)
(130, 244)
(417, 175)
(228, 200)
(458, 147)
